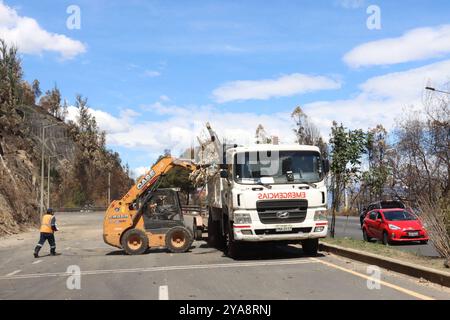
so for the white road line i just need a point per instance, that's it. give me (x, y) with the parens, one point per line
(163, 293)
(384, 283)
(13, 273)
(169, 268)
(37, 261)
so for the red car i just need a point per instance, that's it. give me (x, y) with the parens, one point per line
(393, 225)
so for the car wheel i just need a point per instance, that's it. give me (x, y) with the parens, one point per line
(385, 239)
(366, 236)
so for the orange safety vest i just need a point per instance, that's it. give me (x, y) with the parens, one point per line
(46, 225)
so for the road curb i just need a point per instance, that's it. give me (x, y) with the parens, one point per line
(410, 269)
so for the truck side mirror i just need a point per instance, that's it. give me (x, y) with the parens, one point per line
(224, 174)
(326, 165)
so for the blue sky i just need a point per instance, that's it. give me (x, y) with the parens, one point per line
(155, 71)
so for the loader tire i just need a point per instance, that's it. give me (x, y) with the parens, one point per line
(134, 242)
(179, 239)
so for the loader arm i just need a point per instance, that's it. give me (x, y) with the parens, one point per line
(163, 166)
(149, 181)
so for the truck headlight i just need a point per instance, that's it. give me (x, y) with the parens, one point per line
(321, 215)
(242, 218)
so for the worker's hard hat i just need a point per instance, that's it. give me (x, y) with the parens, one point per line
(49, 210)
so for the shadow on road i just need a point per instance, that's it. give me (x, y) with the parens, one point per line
(266, 251)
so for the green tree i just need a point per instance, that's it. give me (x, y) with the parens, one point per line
(10, 86)
(375, 178)
(179, 178)
(347, 147)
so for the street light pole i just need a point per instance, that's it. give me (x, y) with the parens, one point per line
(42, 174)
(48, 182)
(42, 165)
(48, 179)
(436, 90)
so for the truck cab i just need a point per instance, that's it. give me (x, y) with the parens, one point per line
(271, 193)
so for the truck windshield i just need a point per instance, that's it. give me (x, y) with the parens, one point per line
(277, 168)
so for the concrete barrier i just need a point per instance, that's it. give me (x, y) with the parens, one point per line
(410, 269)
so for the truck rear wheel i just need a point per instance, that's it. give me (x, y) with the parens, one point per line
(310, 247)
(178, 239)
(134, 242)
(215, 238)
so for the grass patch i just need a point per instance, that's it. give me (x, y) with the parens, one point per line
(388, 251)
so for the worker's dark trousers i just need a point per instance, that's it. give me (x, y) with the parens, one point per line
(50, 237)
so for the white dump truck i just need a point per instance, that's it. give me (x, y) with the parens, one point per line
(267, 193)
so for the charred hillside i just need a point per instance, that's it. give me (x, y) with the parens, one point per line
(33, 131)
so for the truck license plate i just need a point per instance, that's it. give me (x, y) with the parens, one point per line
(284, 228)
(413, 234)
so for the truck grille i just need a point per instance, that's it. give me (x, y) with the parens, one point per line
(282, 211)
(274, 231)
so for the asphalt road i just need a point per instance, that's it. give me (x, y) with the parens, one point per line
(350, 227)
(265, 272)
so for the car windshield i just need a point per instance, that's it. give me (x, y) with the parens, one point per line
(400, 215)
(278, 167)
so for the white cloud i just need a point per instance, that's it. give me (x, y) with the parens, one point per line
(284, 86)
(106, 121)
(381, 100)
(139, 171)
(414, 45)
(30, 38)
(350, 4)
(152, 73)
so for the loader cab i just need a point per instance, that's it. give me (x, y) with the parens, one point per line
(163, 210)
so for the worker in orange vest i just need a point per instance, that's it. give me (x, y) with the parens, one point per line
(48, 228)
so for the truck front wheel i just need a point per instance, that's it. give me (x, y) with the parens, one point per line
(310, 247)
(231, 247)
